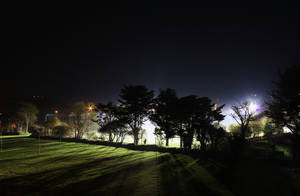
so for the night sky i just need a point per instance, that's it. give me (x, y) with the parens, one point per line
(81, 52)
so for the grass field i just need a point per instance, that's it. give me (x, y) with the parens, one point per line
(83, 169)
(73, 168)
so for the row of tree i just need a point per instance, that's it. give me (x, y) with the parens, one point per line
(19, 119)
(189, 117)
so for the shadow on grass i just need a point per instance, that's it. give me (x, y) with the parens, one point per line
(177, 178)
(109, 176)
(72, 169)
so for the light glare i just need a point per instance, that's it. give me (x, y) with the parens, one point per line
(253, 107)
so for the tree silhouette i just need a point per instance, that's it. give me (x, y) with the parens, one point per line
(195, 115)
(186, 108)
(284, 107)
(164, 114)
(137, 103)
(243, 116)
(216, 133)
(105, 118)
(80, 118)
(112, 120)
(202, 120)
(28, 112)
(50, 124)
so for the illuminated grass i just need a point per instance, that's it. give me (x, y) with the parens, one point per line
(73, 168)
(13, 136)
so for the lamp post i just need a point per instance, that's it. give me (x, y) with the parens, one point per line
(90, 109)
(56, 113)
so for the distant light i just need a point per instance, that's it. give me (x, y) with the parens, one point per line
(215, 107)
(253, 107)
(56, 111)
(149, 132)
(90, 108)
(286, 130)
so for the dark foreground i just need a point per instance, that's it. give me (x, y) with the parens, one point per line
(68, 168)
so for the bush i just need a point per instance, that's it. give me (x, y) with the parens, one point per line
(37, 130)
(62, 131)
(91, 135)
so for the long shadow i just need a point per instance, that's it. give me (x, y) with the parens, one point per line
(117, 178)
(88, 157)
(174, 174)
(150, 148)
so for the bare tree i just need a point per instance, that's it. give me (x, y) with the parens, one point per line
(243, 115)
(28, 112)
(81, 115)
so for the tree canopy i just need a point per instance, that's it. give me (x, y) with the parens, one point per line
(28, 112)
(243, 115)
(284, 107)
(137, 103)
(163, 115)
(80, 117)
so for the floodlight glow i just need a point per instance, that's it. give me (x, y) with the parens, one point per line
(149, 132)
(253, 107)
(286, 130)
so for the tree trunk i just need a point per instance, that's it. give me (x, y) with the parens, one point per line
(110, 137)
(167, 141)
(117, 138)
(213, 145)
(136, 138)
(27, 126)
(135, 131)
(122, 139)
(243, 132)
(181, 141)
(203, 145)
(75, 131)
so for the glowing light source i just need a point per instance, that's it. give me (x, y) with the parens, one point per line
(286, 130)
(253, 107)
(149, 132)
(56, 111)
(90, 108)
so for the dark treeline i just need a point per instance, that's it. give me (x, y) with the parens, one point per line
(191, 118)
(188, 117)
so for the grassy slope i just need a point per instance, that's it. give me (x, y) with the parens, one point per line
(258, 176)
(67, 168)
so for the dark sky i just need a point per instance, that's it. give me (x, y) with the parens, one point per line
(84, 52)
